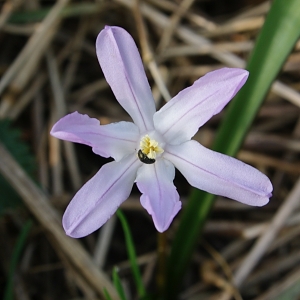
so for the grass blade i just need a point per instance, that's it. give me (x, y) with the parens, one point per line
(132, 255)
(106, 294)
(118, 284)
(8, 294)
(275, 42)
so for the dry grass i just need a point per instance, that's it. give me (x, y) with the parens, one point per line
(49, 68)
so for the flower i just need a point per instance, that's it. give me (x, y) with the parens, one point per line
(148, 150)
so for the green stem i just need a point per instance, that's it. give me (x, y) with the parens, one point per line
(161, 261)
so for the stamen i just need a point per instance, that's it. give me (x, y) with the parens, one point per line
(149, 148)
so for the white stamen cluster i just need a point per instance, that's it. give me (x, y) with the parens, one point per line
(150, 147)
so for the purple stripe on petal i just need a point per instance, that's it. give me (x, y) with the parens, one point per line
(181, 117)
(124, 71)
(160, 197)
(116, 139)
(100, 197)
(220, 174)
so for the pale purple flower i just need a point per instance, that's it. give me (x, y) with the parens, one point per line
(148, 150)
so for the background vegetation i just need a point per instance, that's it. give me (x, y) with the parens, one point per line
(215, 248)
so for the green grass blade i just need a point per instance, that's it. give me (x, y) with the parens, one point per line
(291, 290)
(276, 40)
(8, 294)
(118, 284)
(107, 295)
(132, 255)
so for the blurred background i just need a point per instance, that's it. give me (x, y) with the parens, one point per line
(49, 68)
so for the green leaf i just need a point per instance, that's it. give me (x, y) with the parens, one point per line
(8, 294)
(276, 40)
(106, 294)
(118, 284)
(11, 138)
(132, 255)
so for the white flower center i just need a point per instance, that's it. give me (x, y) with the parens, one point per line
(150, 147)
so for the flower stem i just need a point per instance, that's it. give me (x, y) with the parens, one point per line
(161, 261)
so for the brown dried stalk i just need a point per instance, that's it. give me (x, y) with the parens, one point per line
(39, 205)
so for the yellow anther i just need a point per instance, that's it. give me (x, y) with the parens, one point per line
(150, 147)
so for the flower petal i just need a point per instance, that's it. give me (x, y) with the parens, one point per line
(160, 197)
(116, 140)
(220, 174)
(181, 117)
(100, 197)
(123, 69)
